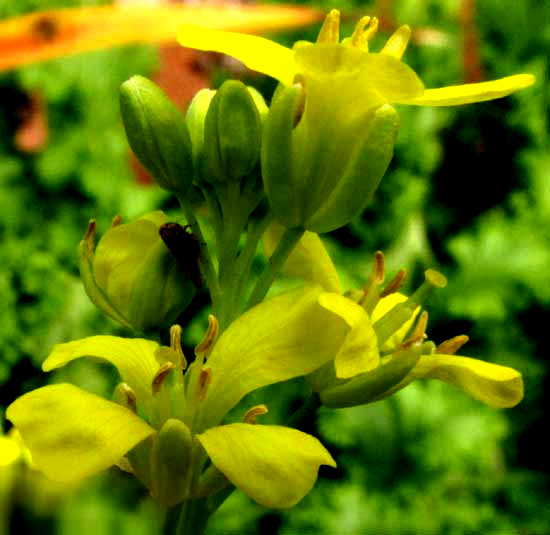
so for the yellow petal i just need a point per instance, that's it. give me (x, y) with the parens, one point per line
(73, 434)
(468, 93)
(497, 386)
(134, 359)
(276, 466)
(284, 337)
(359, 352)
(257, 53)
(309, 260)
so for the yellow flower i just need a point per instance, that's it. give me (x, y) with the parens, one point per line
(163, 419)
(392, 349)
(382, 73)
(330, 132)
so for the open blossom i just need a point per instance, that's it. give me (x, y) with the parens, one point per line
(390, 349)
(330, 132)
(164, 420)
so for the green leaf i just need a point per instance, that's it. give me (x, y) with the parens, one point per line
(276, 466)
(73, 434)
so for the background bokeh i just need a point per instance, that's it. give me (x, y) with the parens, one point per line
(468, 192)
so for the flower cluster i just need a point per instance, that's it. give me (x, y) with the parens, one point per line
(306, 164)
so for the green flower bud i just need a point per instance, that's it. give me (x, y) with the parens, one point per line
(157, 134)
(196, 114)
(232, 133)
(132, 276)
(323, 160)
(171, 463)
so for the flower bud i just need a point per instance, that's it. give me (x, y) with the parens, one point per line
(232, 133)
(157, 134)
(196, 114)
(322, 160)
(132, 276)
(171, 463)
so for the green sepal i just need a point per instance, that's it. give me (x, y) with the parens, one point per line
(365, 165)
(97, 296)
(171, 458)
(195, 118)
(157, 134)
(232, 133)
(278, 166)
(161, 291)
(374, 385)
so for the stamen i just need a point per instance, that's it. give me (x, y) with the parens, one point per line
(252, 413)
(117, 220)
(90, 231)
(330, 31)
(402, 312)
(205, 378)
(210, 336)
(364, 31)
(397, 43)
(125, 396)
(376, 278)
(433, 280)
(451, 346)
(419, 333)
(175, 345)
(395, 284)
(160, 377)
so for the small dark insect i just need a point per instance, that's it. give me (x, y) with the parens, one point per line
(45, 28)
(185, 248)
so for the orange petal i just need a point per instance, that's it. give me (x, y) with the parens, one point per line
(49, 34)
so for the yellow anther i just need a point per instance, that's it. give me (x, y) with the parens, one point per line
(395, 284)
(210, 336)
(376, 278)
(164, 371)
(330, 31)
(117, 220)
(253, 412)
(125, 396)
(364, 31)
(397, 43)
(175, 345)
(451, 346)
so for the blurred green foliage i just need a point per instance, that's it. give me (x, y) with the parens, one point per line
(468, 191)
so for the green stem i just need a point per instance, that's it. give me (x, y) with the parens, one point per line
(285, 246)
(206, 265)
(308, 409)
(243, 265)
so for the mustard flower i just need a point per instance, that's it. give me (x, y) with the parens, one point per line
(162, 420)
(331, 128)
(390, 349)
